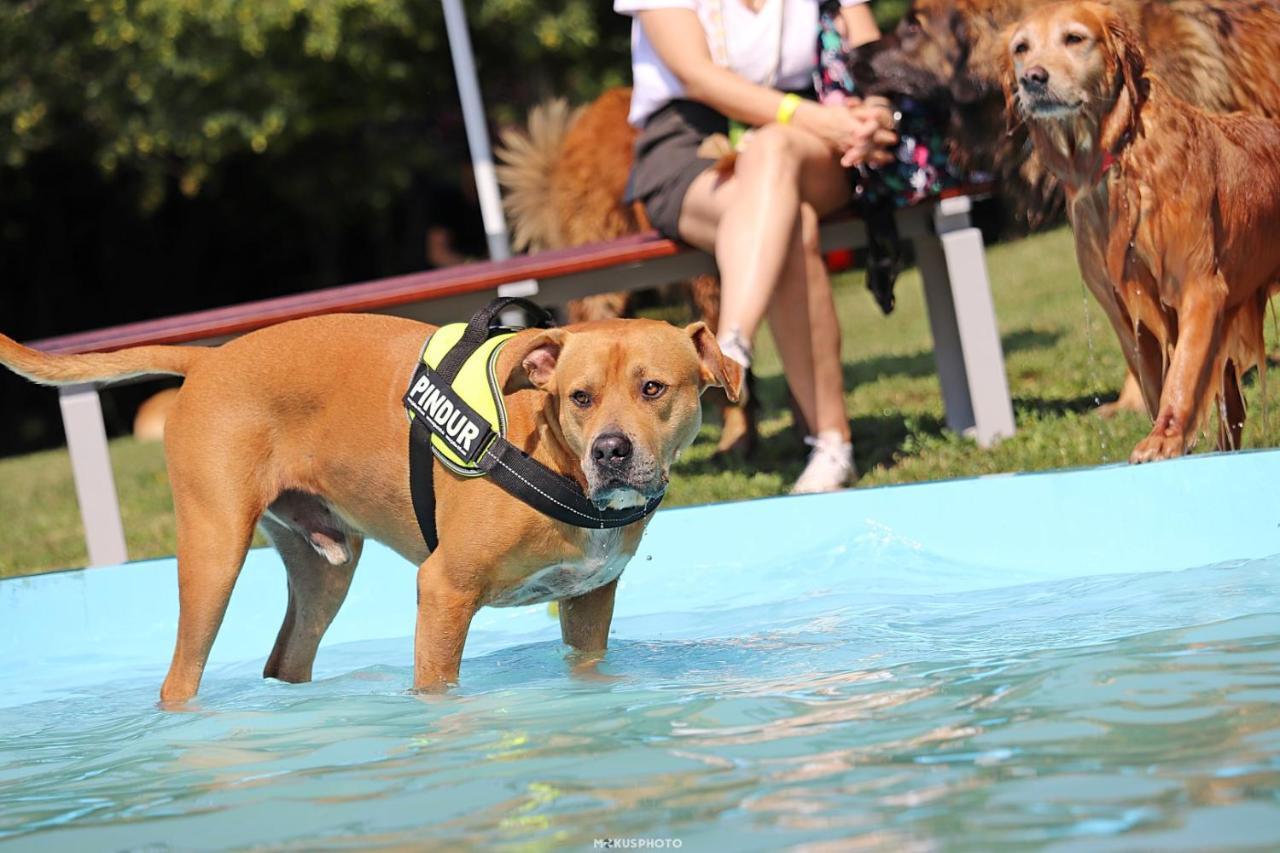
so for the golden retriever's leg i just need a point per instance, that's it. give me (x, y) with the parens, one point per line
(444, 617)
(317, 588)
(1187, 382)
(1130, 399)
(1231, 417)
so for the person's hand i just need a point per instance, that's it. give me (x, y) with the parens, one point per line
(858, 131)
(875, 138)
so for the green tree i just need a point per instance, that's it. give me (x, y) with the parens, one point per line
(167, 91)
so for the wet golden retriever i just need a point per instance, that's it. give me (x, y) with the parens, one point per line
(1175, 211)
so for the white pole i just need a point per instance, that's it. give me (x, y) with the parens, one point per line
(464, 70)
(478, 141)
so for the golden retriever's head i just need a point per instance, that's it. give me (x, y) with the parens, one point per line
(623, 397)
(1076, 60)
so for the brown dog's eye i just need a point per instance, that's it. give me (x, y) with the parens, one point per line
(652, 389)
(1073, 39)
(581, 399)
(1020, 48)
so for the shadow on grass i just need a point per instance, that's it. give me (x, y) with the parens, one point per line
(1083, 404)
(921, 364)
(878, 441)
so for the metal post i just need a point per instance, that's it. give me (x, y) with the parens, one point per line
(91, 468)
(962, 316)
(464, 70)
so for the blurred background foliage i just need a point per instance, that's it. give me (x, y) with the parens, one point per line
(162, 93)
(159, 156)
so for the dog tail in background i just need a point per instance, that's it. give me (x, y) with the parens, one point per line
(529, 157)
(46, 369)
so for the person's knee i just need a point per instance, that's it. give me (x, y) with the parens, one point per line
(770, 148)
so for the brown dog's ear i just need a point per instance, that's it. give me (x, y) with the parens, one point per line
(1126, 62)
(538, 355)
(716, 369)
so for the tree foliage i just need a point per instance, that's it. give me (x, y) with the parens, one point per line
(169, 90)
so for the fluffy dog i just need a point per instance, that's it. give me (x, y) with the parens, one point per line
(299, 429)
(1221, 55)
(1173, 209)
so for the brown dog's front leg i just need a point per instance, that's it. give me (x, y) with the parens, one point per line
(584, 625)
(444, 616)
(1187, 383)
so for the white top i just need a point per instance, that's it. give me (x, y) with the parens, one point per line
(752, 46)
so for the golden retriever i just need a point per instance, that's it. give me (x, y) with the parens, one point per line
(1174, 210)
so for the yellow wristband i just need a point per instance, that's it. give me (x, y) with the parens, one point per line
(787, 109)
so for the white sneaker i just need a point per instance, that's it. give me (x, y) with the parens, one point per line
(830, 465)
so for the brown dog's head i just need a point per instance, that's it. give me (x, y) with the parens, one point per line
(941, 50)
(624, 398)
(1076, 60)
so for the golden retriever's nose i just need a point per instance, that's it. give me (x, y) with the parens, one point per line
(1035, 78)
(611, 451)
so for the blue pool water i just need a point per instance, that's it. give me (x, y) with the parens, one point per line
(998, 662)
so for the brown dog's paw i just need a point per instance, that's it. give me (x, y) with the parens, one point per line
(1160, 444)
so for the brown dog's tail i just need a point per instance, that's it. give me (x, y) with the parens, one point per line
(529, 158)
(47, 369)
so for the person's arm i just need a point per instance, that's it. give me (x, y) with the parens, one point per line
(681, 43)
(859, 24)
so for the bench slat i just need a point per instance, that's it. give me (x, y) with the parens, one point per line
(383, 294)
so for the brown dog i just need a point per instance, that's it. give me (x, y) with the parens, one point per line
(299, 428)
(1173, 208)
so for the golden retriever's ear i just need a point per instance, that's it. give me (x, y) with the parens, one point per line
(1126, 62)
(716, 369)
(538, 354)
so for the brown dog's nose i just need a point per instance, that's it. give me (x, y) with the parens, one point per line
(1035, 78)
(611, 450)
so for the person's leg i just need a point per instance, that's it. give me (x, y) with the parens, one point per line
(808, 340)
(762, 223)
(823, 333)
(748, 219)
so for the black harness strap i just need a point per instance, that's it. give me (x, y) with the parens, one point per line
(422, 481)
(549, 492)
(511, 468)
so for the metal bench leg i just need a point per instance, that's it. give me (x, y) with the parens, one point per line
(962, 316)
(91, 467)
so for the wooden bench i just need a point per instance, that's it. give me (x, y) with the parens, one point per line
(949, 252)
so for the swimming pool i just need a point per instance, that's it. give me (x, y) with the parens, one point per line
(1089, 659)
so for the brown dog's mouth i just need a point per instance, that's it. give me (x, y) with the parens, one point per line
(619, 494)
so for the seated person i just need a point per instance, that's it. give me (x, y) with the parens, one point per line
(697, 66)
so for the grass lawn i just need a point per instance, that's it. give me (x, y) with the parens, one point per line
(1061, 360)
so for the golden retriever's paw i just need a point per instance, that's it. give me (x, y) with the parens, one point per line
(1159, 445)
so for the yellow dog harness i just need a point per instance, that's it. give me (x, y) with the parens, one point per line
(458, 416)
